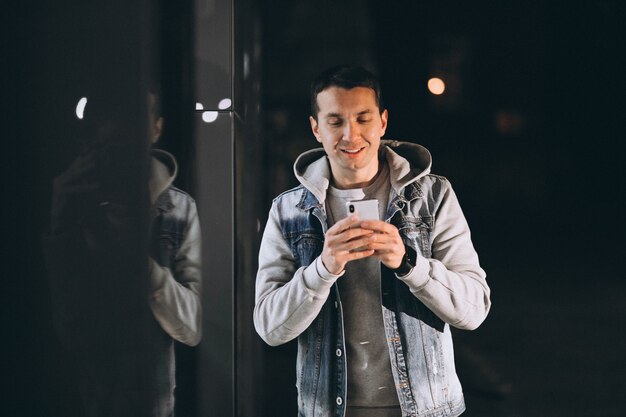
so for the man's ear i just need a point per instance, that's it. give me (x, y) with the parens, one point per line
(383, 117)
(157, 130)
(315, 128)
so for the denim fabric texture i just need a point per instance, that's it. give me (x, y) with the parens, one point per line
(174, 210)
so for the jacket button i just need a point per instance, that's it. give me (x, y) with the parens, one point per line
(339, 400)
(338, 352)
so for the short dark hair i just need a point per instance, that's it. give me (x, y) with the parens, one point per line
(344, 77)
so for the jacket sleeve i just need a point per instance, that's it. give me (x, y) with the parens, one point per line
(287, 298)
(451, 283)
(175, 295)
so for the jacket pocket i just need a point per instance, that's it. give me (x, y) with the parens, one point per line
(165, 248)
(416, 233)
(306, 247)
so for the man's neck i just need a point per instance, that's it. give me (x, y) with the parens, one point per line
(349, 182)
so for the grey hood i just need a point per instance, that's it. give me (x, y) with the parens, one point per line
(163, 170)
(407, 161)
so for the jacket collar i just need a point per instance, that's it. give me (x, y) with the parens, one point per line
(163, 203)
(308, 201)
(163, 170)
(407, 163)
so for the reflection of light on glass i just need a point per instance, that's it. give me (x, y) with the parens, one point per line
(224, 104)
(436, 86)
(80, 108)
(199, 106)
(246, 65)
(209, 116)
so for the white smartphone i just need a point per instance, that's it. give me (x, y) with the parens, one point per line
(365, 209)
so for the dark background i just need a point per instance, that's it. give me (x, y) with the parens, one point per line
(529, 132)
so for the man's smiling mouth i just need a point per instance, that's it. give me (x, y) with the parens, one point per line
(352, 151)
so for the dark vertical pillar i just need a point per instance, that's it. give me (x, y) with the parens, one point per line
(228, 144)
(216, 206)
(250, 184)
(214, 145)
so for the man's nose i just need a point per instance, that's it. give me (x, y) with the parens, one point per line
(351, 131)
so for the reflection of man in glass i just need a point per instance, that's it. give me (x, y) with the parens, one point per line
(370, 301)
(92, 278)
(175, 262)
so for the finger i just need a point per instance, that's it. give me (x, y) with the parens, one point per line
(384, 250)
(347, 239)
(342, 256)
(344, 235)
(354, 255)
(353, 233)
(362, 243)
(385, 243)
(386, 239)
(341, 249)
(343, 224)
(379, 226)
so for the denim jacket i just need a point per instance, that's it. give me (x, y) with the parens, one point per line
(297, 297)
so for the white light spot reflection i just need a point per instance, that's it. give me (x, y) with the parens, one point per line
(224, 104)
(209, 116)
(80, 108)
(199, 106)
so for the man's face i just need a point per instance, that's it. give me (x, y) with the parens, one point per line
(349, 126)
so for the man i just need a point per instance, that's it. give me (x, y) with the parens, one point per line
(98, 293)
(371, 301)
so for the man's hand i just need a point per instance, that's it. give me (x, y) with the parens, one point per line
(385, 242)
(344, 243)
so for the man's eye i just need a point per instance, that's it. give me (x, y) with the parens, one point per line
(363, 121)
(334, 122)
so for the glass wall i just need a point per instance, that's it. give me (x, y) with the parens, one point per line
(109, 107)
